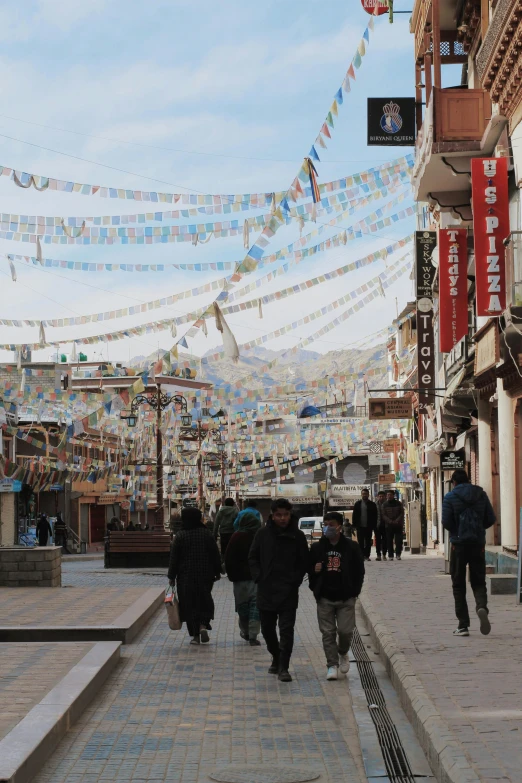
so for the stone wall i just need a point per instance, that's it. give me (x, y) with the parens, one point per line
(40, 566)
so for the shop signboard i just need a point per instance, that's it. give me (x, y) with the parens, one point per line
(56, 488)
(292, 491)
(453, 460)
(487, 350)
(379, 459)
(391, 122)
(425, 243)
(10, 485)
(390, 445)
(490, 200)
(375, 7)
(386, 478)
(453, 286)
(390, 408)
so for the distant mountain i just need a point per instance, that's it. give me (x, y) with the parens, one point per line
(295, 368)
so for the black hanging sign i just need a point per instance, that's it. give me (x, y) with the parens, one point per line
(391, 122)
(425, 243)
(453, 460)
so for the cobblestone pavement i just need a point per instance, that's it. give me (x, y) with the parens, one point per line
(91, 573)
(172, 712)
(27, 674)
(475, 681)
(51, 606)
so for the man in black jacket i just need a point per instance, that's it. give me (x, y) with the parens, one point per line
(278, 561)
(364, 520)
(336, 574)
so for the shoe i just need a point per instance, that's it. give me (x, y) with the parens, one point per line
(244, 636)
(285, 676)
(384, 557)
(399, 557)
(204, 637)
(274, 668)
(485, 625)
(332, 673)
(255, 643)
(390, 558)
(344, 663)
(195, 640)
(461, 632)
(378, 558)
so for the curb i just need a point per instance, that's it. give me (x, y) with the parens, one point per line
(443, 751)
(123, 629)
(30, 743)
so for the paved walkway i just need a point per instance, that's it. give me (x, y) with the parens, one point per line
(172, 712)
(51, 606)
(475, 682)
(28, 672)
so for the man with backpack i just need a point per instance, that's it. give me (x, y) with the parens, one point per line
(466, 515)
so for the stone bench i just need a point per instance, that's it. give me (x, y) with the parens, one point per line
(39, 566)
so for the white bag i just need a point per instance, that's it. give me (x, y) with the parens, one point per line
(172, 607)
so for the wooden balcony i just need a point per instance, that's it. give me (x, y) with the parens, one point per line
(457, 126)
(461, 115)
(498, 61)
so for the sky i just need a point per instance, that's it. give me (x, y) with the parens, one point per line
(197, 97)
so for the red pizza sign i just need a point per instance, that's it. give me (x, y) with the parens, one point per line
(369, 7)
(489, 189)
(453, 286)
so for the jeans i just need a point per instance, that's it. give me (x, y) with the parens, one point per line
(280, 649)
(381, 543)
(224, 539)
(471, 554)
(336, 619)
(394, 537)
(364, 537)
(245, 594)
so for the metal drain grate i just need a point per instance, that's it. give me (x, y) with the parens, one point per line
(395, 758)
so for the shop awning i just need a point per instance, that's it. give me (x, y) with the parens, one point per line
(454, 384)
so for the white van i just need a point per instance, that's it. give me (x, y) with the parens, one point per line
(312, 527)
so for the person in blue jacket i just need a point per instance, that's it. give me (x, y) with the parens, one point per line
(250, 508)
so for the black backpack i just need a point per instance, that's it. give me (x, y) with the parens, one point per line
(470, 528)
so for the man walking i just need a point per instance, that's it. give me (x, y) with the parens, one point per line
(278, 561)
(364, 520)
(224, 524)
(336, 574)
(392, 512)
(466, 515)
(381, 544)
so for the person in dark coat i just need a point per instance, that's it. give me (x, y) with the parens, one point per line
(224, 524)
(60, 532)
(336, 574)
(392, 514)
(43, 530)
(364, 520)
(278, 561)
(466, 514)
(238, 571)
(194, 566)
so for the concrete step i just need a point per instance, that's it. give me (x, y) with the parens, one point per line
(501, 584)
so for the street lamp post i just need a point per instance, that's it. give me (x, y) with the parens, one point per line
(158, 402)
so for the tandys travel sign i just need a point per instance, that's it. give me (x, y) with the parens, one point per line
(425, 243)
